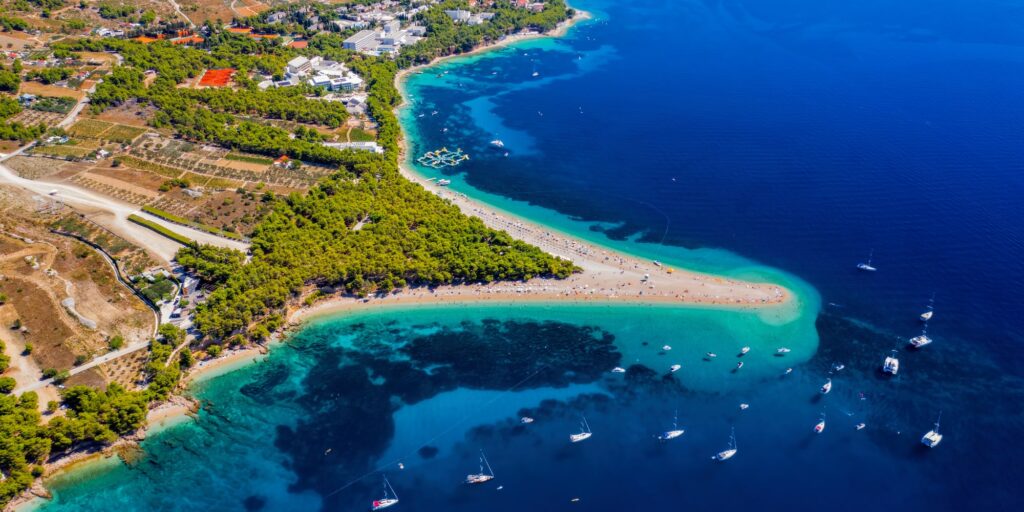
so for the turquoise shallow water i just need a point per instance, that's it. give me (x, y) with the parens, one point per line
(800, 134)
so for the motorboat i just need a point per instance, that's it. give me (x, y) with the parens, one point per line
(675, 368)
(782, 350)
(933, 437)
(744, 407)
(666, 348)
(482, 476)
(826, 387)
(739, 365)
(788, 371)
(820, 426)
(710, 355)
(389, 499)
(867, 266)
(584, 434)
(618, 369)
(525, 420)
(744, 350)
(891, 364)
(860, 426)
(444, 183)
(675, 432)
(729, 452)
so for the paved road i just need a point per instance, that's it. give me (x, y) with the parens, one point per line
(105, 358)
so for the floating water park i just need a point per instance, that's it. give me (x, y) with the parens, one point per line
(443, 157)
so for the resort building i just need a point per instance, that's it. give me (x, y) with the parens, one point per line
(388, 40)
(358, 146)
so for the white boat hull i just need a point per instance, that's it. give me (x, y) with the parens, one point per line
(671, 434)
(580, 437)
(724, 455)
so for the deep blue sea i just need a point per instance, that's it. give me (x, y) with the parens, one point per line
(776, 139)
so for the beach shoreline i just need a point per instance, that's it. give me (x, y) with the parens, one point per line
(608, 277)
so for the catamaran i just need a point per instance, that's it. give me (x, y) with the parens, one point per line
(728, 453)
(386, 501)
(891, 364)
(826, 387)
(675, 432)
(933, 437)
(584, 434)
(867, 266)
(481, 477)
(922, 339)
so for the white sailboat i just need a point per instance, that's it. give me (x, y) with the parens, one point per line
(618, 369)
(933, 437)
(728, 453)
(584, 434)
(675, 432)
(482, 476)
(826, 387)
(390, 497)
(497, 143)
(891, 364)
(867, 266)
(922, 339)
(820, 426)
(927, 315)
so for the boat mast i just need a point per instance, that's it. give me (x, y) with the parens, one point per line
(484, 459)
(387, 486)
(732, 438)
(585, 425)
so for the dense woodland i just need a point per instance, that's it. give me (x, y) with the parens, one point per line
(365, 229)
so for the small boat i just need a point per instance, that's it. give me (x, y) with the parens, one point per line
(739, 365)
(728, 453)
(891, 364)
(444, 183)
(782, 350)
(710, 355)
(535, 74)
(506, 154)
(525, 420)
(618, 369)
(675, 368)
(867, 266)
(497, 143)
(860, 426)
(666, 348)
(838, 367)
(788, 371)
(921, 340)
(927, 315)
(933, 437)
(434, 113)
(820, 426)
(386, 501)
(744, 407)
(826, 387)
(675, 432)
(481, 477)
(657, 263)
(584, 434)
(744, 350)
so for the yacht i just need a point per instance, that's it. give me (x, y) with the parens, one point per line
(675, 432)
(867, 266)
(891, 364)
(389, 499)
(481, 477)
(827, 387)
(921, 340)
(927, 315)
(675, 368)
(728, 453)
(497, 143)
(744, 350)
(933, 437)
(584, 434)
(820, 426)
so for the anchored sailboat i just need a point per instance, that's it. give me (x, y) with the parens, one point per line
(826, 387)
(820, 426)
(386, 501)
(927, 315)
(867, 266)
(728, 453)
(584, 434)
(933, 437)
(675, 432)
(891, 364)
(482, 476)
